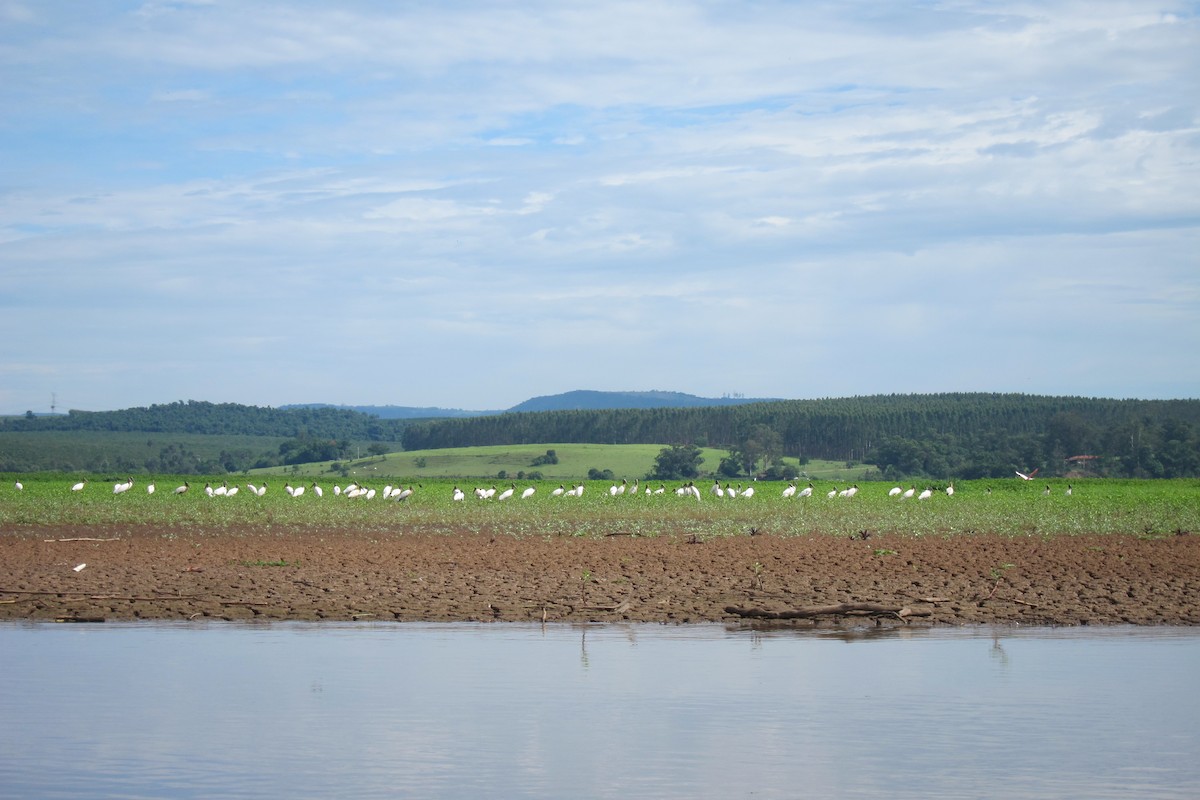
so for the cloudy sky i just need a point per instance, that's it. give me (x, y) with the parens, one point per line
(466, 204)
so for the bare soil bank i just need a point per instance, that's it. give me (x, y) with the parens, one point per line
(407, 575)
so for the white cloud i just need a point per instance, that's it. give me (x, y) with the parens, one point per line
(734, 184)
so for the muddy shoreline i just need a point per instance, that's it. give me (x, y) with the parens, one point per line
(407, 575)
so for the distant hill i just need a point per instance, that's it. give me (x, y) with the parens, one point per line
(578, 400)
(588, 400)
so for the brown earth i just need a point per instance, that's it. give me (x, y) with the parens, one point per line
(158, 574)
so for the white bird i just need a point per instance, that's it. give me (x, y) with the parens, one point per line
(1069, 490)
(402, 494)
(845, 492)
(507, 493)
(232, 491)
(337, 489)
(950, 490)
(895, 490)
(853, 490)
(369, 494)
(747, 492)
(660, 490)
(925, 495)
(1028, 477)
(730, 491)
(262, 490)
(124, 486)
(208, 490)
(1047, 492)
(287, 487)
(458, 494)
(716, 489)
(528, 493)
(19, 486)
(909, 492)
(790, 491)
(634, 489)
(182, 489)
(832, 493)
(79, 486)
(694, 490)
(317, 490)
(617, 489)
(806, 491)
(253, 489)
(559, 491)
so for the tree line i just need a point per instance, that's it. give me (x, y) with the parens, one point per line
(966, 435)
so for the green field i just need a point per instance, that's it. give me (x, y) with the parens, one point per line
(574, 461)
(102, 451)
(1151, 508)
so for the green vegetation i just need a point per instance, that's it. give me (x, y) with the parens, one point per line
(924, 437)
(1153, 509)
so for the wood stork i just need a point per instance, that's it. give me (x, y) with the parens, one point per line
(79, 486)
(806, 491)
(459, 494)
(20, 487)
(221, 490)
(716, 489)
(908, 493)
(232, 491)
(400, 495)
(853, 490)
(1047, 491)
(925, 495)
(660, 490)
(507, 493)
(617, 489)
(317, 490)
(730, 491)
(150, 487)
(262, 489)
(1069, 490)
(747, 492)
(559, 491)
(895, 490)
(950, 490)
(369, 494)
(253, 489)
(528, 493)
(832, 493)
(123, 486)
(1028, 477)
(790, 491)
(208, 490)
(182, 489)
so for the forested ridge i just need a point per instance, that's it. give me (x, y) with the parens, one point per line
(968, 435)
(195, 416)
(963, 435)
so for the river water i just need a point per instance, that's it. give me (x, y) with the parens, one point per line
(513, 711)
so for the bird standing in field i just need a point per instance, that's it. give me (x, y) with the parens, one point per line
(790, 491)
(925, 495)
(1069, 490)
(79, 486)
(458, 494)
(150, 487)
(909, 492)
(895, 490)
(507, 493)
(182, 489)
(807, 491)
(528, 493)
(950, 490)
(123, 486)
(20, 487)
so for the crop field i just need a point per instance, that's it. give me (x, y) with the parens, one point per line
(1151, 509)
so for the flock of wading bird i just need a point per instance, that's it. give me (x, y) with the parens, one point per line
(354, 491)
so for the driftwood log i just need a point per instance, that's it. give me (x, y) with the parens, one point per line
(841, 609)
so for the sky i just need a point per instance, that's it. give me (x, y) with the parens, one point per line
(468, 204)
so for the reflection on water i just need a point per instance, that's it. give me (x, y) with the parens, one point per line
(461, 710)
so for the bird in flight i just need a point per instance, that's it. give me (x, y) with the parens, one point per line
(1028, 477)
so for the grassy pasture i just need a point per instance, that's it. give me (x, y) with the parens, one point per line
(574, 461)
(1150, 509)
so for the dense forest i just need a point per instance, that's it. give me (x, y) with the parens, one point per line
(225, 419)
(942, 435)
(906, 436)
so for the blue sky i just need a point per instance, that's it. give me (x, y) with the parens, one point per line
(467, 204)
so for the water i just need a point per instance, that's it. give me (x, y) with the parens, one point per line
(468, 711)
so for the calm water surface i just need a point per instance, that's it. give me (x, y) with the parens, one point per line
(509, 711)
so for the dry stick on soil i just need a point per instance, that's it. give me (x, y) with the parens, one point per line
(84, 539)
(823, 611)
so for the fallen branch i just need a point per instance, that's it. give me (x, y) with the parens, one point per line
(84, 539)
(826, 611)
